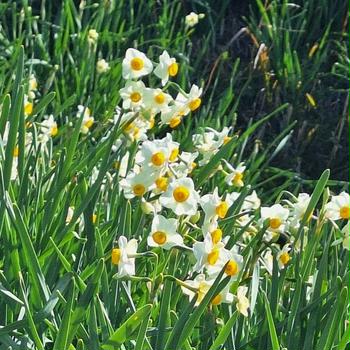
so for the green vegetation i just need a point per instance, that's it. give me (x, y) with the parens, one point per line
(276, 75)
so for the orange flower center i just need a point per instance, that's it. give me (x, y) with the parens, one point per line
(181, 194)
(275, 223)
(216, 235)
(173, 69)
(194, 104)
(159, 237)
(137, 63)
(116, 253)
(213, 256)
(231, 268)
(221, 210)
(135, 97)
(139, 190)
(158, 159)
(344, 212)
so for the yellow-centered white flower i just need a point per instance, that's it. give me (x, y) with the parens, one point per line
(167, 67)
(339, 207)
(283, 256)
(137, 184)
(124, 256)
(156, 100)
(88, 119)
(132, 94)
(235, 175)
(277, 217)
(215, 206)
(135, 64)
(190, 101)
(164, 233)
(180, 197)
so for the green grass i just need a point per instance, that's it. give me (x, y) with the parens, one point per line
(58, 288)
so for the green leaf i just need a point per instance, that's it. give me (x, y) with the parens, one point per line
(127, 331)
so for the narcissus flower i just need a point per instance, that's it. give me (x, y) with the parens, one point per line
(48, 129)
(124, 256)
(136, 185)
(135, 64)
(102, 66)
(299, 208)
(88, 119)
(242, 304)
(181, 197)
(277, 216)
(235, 176)
(200, 284)
(191, 101)
(339, 207)
(216, 207)
(223, 297)
(167, 67)
(156, 100)
(132, 94)
(164, 233)
(209, 143)
(283, 256)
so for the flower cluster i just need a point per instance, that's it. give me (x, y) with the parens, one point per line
(161, 180)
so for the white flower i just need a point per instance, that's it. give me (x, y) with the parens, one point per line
(251, 202)
(181, 197)
(277, 216)
(136, 185)
(214, 206)
(164, 233)
(132, 94)
(156, 100)
(212, 255)
(154, 154)
(135, 64)
(173, 114)
(200, 284)
(48, 129)
(167, 67)
(124, 256)
(242, 304)
(283, 256)
(235, 176)
(299, 208)
(102, 66)
(192, 19)
(191, 101)
(339, 207)
(88, 120)
(223, 297)
(209, 142)
(185, 164)
(150, 207)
